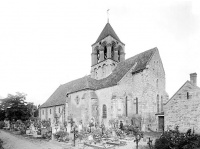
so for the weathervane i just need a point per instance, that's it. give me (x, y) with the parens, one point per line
(108, 15)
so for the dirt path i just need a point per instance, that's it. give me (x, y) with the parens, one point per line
(19, 142)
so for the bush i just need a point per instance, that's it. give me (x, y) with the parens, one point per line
(2, 124)
(176, 140)
(1, 144)
(62, 136)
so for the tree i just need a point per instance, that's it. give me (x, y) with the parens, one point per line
(15, 107)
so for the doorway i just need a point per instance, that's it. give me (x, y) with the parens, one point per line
(160, 123)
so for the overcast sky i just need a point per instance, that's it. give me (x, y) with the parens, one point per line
(45, 43)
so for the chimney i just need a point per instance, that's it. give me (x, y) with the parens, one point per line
(193, 78)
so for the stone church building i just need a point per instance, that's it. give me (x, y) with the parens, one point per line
(131, 90)
(183, 108)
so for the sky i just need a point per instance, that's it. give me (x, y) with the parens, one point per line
(46, 43)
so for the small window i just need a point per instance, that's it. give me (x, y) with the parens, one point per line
(59, 109)
(188, 95)
(50, 111)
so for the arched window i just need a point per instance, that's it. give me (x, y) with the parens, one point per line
(157, 103)
(104, 111)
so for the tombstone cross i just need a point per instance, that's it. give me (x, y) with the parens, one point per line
(149, 143)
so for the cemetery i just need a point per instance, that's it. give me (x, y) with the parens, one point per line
(77, 135)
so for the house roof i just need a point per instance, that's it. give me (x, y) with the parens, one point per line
(87, 83)
(107, 30)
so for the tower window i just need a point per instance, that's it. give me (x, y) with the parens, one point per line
(105, 52)
(119, 55)
(98, 56)
(112, 52)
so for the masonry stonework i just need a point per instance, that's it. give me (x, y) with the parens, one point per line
(183, 109)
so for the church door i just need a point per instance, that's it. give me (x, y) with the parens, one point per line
(160, 123)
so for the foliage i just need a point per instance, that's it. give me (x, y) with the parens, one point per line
(2, 124)
(1, 144)
(173, 139)
(83, 134)
(62, 136)
(2, 113)
(20, 126)
(15, 107)
(107, 133)
(46, 123)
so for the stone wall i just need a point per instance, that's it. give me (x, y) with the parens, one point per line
(49, 113)
(184, 110)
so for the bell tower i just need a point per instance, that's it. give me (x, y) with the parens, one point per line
(107, 52)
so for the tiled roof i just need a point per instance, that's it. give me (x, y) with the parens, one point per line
(141, 60)
(108, 30)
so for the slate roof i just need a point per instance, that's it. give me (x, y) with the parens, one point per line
(108, 30)
(87, 83)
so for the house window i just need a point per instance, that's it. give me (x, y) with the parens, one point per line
(188, 96)
(59, 110)
(42, 112)
(50, 111)
(104, 111)
(157, 103)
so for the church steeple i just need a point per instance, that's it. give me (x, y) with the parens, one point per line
(107, 51)
(108, 30)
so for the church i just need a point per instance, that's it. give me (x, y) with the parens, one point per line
(130, 90)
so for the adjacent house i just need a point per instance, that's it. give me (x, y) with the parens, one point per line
(183, 109)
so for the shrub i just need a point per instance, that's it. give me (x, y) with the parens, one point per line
(2, 124)
(176, 140)
(1, 144)
(62, 136)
